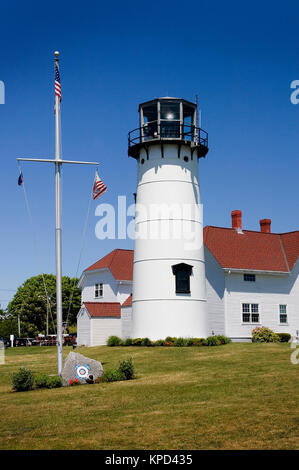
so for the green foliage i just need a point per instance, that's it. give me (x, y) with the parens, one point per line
(189, 342)
(223, 339)
(170, 339)
(263, 334)
(137, 342)
(30, 303)
(73, 328)
(46, 381)
(125, 371)
(126, 368)
(179, 342)
(41, 381)
(22, 380)
(198, 341)
(55, 382)
(8, 326)
(284, 337)
(114, 341)
(211, 341)
(146, 342)
(114, 375)
(127, 342)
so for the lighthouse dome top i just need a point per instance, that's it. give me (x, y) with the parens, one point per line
(168, 119)
(165, 99)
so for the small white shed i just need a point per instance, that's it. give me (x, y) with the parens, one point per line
(97, 321)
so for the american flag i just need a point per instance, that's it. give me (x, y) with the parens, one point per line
(98, 187)
(57, 81)
(20, 179)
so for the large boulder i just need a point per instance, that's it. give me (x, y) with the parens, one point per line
(79, 367)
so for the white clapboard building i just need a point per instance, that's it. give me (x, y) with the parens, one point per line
(251, 280)
(106, 291)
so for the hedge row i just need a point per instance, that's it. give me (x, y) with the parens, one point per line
(24, 380)
(169, 341)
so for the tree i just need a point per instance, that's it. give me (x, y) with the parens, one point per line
(8, 326)
(30, 303)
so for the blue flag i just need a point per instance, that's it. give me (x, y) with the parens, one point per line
(20, 180)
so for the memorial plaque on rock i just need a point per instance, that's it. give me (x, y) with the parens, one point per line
(82, 368)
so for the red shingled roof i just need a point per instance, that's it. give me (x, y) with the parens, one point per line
(252, 250)
(103, 309)
(291, 246)
(128, 302)
(120, 263)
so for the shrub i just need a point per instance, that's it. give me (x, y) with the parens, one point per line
(55, 382)
(223, 339)
(127, 342)
(170, 339)
(263, 334)
(101, 379)
(159, 342)
(284, 337)
(211, 341)
(198, 341)
(42, 381)
(146, 342)
(114, 341)
(22, 380)
(113, 375)
(127, 369)
(137, 342)
(179, 342)
(189, 341)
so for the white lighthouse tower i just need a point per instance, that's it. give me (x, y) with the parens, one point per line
(169, 295)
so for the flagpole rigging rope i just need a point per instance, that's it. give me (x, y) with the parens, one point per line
(37, 248)
(80, 255)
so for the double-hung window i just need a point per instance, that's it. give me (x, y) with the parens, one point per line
(283, 316)
(250, 313)
(98, 290)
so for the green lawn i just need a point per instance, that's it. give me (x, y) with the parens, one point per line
(237, 396)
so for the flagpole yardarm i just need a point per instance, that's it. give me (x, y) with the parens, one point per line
(35, 242)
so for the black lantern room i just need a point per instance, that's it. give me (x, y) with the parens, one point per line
(168, 119)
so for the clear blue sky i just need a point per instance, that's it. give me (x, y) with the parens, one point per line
(240, 57)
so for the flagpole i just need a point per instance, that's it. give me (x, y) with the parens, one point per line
(58, 231)
(58, 164)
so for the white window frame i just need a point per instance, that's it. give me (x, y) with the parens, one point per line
(286, 314)
(250, 313)
(98, 290)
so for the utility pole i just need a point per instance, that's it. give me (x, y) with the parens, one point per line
(47, 318)
(58, 164)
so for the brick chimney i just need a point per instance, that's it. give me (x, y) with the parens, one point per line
(237, 220)
(265, 225)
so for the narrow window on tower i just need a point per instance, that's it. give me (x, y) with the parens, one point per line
(182, 273)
